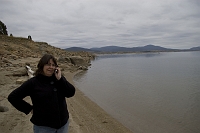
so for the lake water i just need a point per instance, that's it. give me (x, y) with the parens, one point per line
(148, 93)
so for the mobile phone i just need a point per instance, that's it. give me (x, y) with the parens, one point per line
(56, 70)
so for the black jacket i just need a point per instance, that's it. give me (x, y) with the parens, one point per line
(48, 100)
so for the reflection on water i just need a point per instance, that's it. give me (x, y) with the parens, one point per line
(148, 93)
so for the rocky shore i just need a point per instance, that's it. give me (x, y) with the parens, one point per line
(15, 54)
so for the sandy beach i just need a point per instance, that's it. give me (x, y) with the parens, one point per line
(85, 115)
(15, 54)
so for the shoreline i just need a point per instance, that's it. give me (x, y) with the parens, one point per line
(16, 53)
(86, 116)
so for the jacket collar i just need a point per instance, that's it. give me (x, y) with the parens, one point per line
(46, 79)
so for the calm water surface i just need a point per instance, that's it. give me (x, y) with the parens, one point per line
(148, 93)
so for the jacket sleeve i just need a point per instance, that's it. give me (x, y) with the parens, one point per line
(67, 88)
(16, 97)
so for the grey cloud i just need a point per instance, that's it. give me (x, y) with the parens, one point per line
(100, 23)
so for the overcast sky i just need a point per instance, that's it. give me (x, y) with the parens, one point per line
(98, 23)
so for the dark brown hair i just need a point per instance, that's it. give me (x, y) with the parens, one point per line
(43, 61)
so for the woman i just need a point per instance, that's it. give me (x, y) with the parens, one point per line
(48, 90)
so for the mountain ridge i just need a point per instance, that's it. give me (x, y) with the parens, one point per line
(146, 48)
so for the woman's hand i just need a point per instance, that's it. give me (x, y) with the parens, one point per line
(58, 73)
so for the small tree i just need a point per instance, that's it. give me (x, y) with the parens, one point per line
(3, 29)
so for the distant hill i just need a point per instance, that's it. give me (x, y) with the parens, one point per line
(77, 49)
(119, 49)
(114, 49)
(150, 48)
(111, 49)
(195, 48)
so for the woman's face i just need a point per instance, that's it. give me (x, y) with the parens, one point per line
(49, 68)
